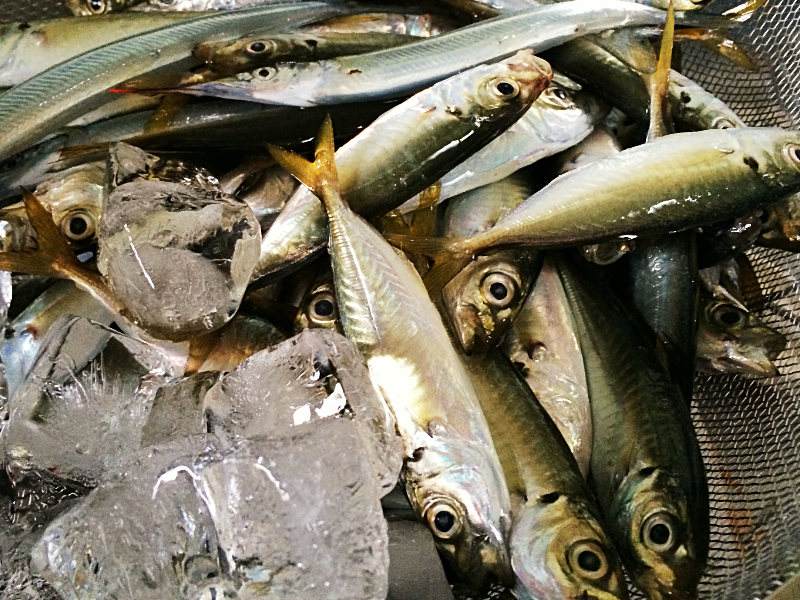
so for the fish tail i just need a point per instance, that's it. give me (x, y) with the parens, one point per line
(52, 257)
(320, 176)
(449, 255)
(659, 82)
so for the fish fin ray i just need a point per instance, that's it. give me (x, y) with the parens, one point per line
(450, 256)
(659, 82)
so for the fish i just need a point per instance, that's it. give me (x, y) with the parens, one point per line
(676, 182)
(419, 25)
(781, 225)
(27, 49)
(88, 8)
(399, 71)
(484, 299)
(559, 545)
(74, 199)
(246, 54)
(646, 465)
(452, 474)
(730, 339)
(558, 119)
(50, 100)
(319, 308)
(543, 346)
(430, 133)
(723, 241)
(26, 332)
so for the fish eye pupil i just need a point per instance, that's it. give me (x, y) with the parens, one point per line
(78, 226)
(323, 308)
(659, 534)
(498, 291)
(589, 561)
(96, 4)
(505, 88)
(444, 521)
(263, 72)
(730, 317)
(560, 94)
(258, 47)
(794, 153)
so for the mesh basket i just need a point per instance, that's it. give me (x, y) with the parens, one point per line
(749, 430)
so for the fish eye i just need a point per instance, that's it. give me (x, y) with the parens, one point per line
(588, 559)
(724, 123)
(78, 226)
(264, 73)
(322, 308)
(258, 47)
(96, 6)
(659, 533)
(793, 152)
(498, 289)
(560, 94)
(444, 520)
(728, 315)
(504, 88)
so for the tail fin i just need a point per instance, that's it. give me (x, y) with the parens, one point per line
(52, 257)
(744, 11)
(320, 176)
(450, 256)
(659, 82)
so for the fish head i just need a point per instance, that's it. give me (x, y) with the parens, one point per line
(460, 494)
(662, 543)
(498, 91)
(245, 53)
(485, 297)
(732, 340)
(559, 550)
(87, 8)
(267, 84)
(565, 113)
(773, 155)
(781, 224)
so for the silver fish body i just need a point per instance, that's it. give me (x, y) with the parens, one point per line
(427, 135)
(28, 49)
(646, 465)
(560, 118)
(543, 345)
(398, 71)
(58, 95)
(676, 182)
(559, 546)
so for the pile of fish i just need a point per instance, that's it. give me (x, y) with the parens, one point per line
(297, 294)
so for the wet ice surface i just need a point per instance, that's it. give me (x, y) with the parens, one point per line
(177, 258)
(300, 517)
(81, 409)
(314, 376)
(271, 518)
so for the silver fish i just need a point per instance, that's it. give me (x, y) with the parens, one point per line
(560, 118)
(452, 473)
(398, 71)
(543, 345)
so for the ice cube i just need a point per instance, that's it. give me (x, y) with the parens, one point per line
(313, 376)
(145, 533)
(300, 517)
(177, 258)
(83, 405)
(177, 409)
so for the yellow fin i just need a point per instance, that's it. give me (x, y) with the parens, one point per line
(320, 176)
(659, 82)
(430, 195)
(166, 112)
(744, 11)
(450, 256)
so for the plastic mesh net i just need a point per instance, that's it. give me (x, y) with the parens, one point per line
(749, 430)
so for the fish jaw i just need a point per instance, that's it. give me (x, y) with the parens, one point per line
(448, 473)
